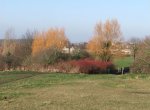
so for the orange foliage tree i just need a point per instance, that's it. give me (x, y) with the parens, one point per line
(105, 41)
(52, 38)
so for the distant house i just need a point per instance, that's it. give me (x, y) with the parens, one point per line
(74, 46)
(126, 51)
(126, 48)
(68, 50)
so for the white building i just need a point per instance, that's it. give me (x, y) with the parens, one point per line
(67, 50)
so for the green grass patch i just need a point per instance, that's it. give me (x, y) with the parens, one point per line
(123, 62)
(58, 91)
(15, 75)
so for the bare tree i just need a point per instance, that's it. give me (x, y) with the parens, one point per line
(9, 46)
(142, 59)
(134, 44)
(9, 43)
(27, 41)
(24, 47)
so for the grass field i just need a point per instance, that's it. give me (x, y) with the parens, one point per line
(43, 91)
(123, 62)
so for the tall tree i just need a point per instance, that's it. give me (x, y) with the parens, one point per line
(9, 46)
(9, 43)
(142, 59)
(105, 41)
(24, 47)
(52, 38)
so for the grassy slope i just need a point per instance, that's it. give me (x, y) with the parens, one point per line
(75, 92)
(123, 62)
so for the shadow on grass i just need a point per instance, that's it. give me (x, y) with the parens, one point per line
(141, 92)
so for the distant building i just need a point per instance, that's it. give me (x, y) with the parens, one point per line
(74, 46)
(126, 51)
(68, 50)
(124, 48)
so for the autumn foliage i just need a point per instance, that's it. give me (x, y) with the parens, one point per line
(105, 39)
(51, 38)
(88, 66)
(44, 51)
(92, 66)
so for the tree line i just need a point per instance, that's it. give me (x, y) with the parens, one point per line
(41, 49)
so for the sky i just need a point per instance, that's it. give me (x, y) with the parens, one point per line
(77, 17)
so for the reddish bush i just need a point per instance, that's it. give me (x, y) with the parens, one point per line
(88, 66)
(91, 66)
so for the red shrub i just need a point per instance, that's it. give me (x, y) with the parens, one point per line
(92, 66)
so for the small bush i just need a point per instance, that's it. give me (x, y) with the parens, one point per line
(66, 67)
(79, 54)
(92, 66)
(49, 56)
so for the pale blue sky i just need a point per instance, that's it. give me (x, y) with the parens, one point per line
(78, 17)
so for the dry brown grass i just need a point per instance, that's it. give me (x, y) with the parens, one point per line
(77, 92)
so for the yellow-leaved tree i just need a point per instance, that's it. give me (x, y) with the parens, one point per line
(52, 38)
(105, 41)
